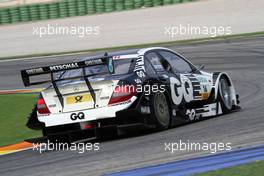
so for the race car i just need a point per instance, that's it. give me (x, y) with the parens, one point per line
(151, 87)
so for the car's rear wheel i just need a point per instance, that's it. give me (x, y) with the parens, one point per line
(225, 94)
(160, 111)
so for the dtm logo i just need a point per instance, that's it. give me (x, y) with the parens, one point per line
(75, 116)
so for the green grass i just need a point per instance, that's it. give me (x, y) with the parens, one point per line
(251, 169)
(13, 117)
(163, 44)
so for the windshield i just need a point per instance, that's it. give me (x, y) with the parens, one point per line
(122, 66)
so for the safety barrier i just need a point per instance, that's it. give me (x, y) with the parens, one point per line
(69, 8)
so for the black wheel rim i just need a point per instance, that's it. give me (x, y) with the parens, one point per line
(161, 108)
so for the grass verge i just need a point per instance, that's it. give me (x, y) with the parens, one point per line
(251, 169)
(164, 44)
(13, 117)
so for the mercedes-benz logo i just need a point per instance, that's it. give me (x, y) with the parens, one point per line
(76, 89)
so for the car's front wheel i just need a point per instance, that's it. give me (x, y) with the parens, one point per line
(225, 94)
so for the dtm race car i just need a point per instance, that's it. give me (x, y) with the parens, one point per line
(150, 87)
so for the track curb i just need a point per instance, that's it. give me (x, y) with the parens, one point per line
(20, 91)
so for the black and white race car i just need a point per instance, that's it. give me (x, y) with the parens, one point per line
(150, 87)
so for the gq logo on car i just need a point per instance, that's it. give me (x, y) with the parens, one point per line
(75, 116)
(181, 90)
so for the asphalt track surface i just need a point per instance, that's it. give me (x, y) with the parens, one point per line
(243, 59)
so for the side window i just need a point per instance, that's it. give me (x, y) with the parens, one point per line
(178, 64)
(155, 60)
(149, 68)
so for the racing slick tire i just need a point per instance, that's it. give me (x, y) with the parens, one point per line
(160, 111)
(225, 94)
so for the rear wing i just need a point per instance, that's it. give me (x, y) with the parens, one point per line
(26, 74)
(105, 60)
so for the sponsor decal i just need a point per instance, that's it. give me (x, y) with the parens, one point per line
(35, 70)
(176, 90)
(207, 110)
(191, 114)
(140, 67)
(78, 99)
(93, 62)
(52, 106)
(75, 116)
(180, 91)
(201, 79)
(104, 98)
(122, 103)
(64, 66)
(138, 81)
(187, 89)
(205, 88)
(116, 57)
(141, 74)
(205, 95)
(145, 109)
